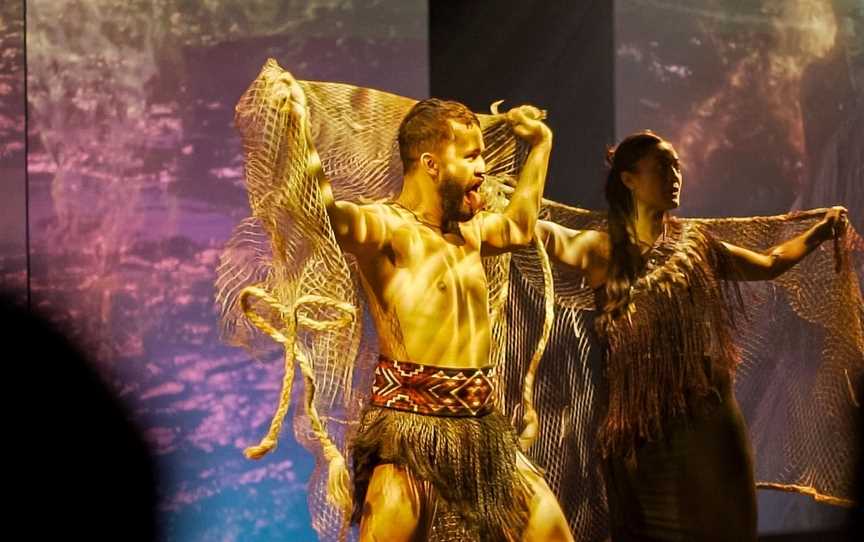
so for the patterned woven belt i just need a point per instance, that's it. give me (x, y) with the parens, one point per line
(438, 391)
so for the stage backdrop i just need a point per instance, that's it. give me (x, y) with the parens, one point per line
(135, 183)
(13, 223)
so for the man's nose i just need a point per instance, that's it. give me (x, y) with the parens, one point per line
(480, 169)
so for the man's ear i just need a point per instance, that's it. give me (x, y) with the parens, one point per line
(429, 163)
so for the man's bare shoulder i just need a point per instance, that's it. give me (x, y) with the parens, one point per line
(382, 210)
(376, 206)
(363, 228)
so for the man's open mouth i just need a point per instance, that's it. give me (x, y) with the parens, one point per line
(472, 196)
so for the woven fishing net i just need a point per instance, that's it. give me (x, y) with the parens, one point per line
(801, 341)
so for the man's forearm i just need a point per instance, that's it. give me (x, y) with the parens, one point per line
(525, 201)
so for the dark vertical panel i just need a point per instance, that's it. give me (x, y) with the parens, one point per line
(556, 55)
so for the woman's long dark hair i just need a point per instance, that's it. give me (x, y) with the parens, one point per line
(625, 259)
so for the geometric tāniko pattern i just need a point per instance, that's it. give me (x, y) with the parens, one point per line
(438, 391)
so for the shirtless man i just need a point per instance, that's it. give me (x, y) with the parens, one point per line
(432, 441)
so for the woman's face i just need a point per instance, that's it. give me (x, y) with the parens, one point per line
(656, 180)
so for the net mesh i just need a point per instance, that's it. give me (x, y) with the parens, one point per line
(802, 340)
